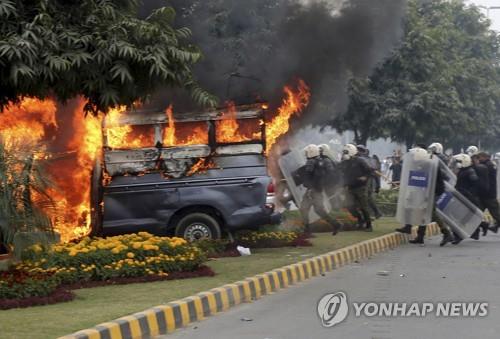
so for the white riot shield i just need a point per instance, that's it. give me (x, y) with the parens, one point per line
(452, 178)
(290, 165)
(454, 209)
(497, 162)
(417, 191)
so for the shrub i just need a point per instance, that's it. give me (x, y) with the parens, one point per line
(267, 239)
(19, 284)
(387, 201)
(215, 247)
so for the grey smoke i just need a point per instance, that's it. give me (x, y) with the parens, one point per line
(270, 43)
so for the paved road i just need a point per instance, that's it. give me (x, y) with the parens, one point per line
(468, 272)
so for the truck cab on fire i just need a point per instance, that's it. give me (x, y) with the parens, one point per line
(193, 176)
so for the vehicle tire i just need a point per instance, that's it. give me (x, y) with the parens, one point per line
(196, 226)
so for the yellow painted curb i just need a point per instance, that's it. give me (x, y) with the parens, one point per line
(174, 315)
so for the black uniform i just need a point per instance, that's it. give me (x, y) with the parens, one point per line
(373, 185)
(314, 175)
(487, 173)
(468, 184)
(332, 180)
(356, 173)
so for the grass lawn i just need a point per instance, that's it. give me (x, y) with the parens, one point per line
(96, 305)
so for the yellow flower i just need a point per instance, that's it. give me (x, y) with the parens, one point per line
(130, 255)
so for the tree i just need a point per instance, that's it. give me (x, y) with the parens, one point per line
(441, 84)
(96, 48)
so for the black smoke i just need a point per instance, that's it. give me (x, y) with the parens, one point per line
(252, 48)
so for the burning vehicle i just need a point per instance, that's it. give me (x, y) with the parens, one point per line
(193, 176)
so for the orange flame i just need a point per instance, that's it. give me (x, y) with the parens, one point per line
(126, 136)
(227, 129)
(189, 133)
(200, 166)
(294, 103)
(169, 139)
(28, 121)
(36, 121)
(230, 130)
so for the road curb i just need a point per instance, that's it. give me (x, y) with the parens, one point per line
(167, 318)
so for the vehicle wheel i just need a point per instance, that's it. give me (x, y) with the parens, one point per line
(196, 226)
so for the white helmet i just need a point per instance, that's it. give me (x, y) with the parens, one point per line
(324, 148)
(436, 148)
(462, 160)
(349, 151)
(472, 150)
(419, 154)
(311, 151)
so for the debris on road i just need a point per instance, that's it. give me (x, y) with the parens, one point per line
(243, 250)
(383, 273)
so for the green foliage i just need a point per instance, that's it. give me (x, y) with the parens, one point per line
(267, 239)
(387, 201)
(19, 284)
(212, 247)
(442, 79)
(98, 49)
(23, 192)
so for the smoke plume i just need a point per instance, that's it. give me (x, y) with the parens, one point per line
(252, 48)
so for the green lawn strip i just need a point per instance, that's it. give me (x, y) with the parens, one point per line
(96, 305)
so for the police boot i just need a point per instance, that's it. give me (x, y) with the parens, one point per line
(405, 229)
(484, 226)
(336, 227)
(458, 239)
(475, 235)
(420, 235)
(494, 228)
(447, 237)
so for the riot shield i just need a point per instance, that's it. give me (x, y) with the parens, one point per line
(417, 191)
(497, 162)
(451, 178)
(291, 165)
(454, 209)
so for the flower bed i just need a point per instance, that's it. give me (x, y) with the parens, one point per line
(95, 262)
(99, 259)
(272, 239)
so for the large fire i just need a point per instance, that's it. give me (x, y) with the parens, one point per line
(71, 145)
(36, 123)
(293, 104)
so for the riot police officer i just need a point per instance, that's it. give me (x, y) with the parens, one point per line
(373, 185)
(437, 149)
(314, 173)
(356, 173)
(333, 177)
(439, 189)
(468, 185)
(487, 172)
(472, 151)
